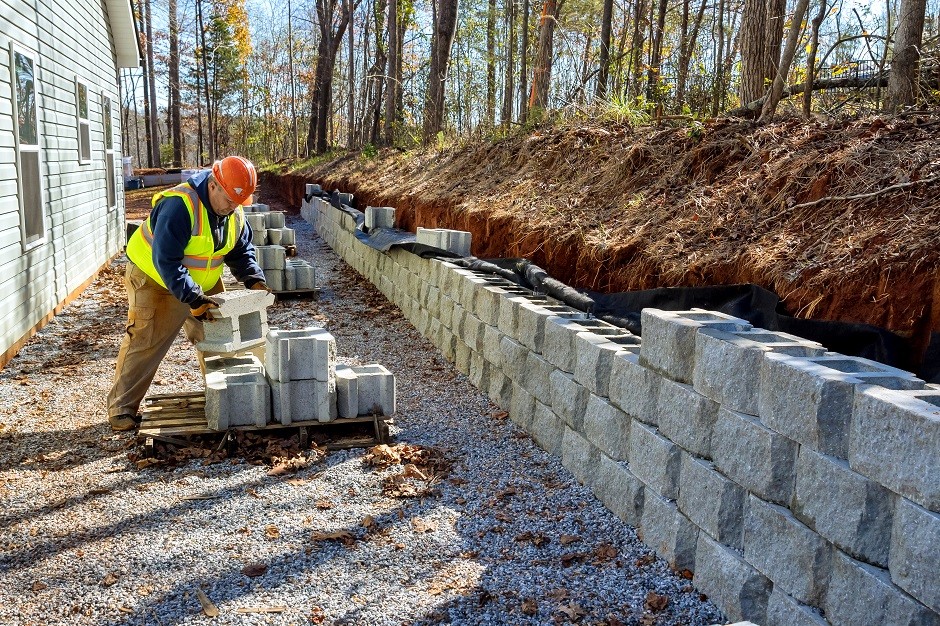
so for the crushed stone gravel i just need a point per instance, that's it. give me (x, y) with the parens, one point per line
(507, 536)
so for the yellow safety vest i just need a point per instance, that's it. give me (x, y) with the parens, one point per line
(200, 257)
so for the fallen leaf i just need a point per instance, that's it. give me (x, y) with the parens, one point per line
(560, 594)
(645, 560)
(569, 559)
(38, 585)
(317, 615)
(566, 539)
(655, 602)
(367, 522)
(323, 504)
(687, 574)
(208, 607)
(421, 526)
(572, 611)
(529, 607)
(613, 620)
(144, 463)
(339, 535)
(261, 609)
(411, 471)
(605, 552)
(254, 493)
(109, 579)
(500, 415)
(124, 609)
(253, 570)
(272, 532)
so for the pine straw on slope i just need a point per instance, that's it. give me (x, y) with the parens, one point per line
(612, 208)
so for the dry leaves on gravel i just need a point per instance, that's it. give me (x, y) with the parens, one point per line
(253, 570)
(422, 468)
(655, 602)
(344, 537)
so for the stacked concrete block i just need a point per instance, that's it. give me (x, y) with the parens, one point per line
(607, 428)
(619, 489)
(379, 217)
(376, 390)
(810, 399)
(347, 392)
(915, 552)
(301, 365)
(299, 274)
(594, 356)
(634, 388)
(237, 399)
(283, 274)
(686, 417)
(714, 503)
(669, 339)
(669, 532)
(256, 208)
(259, 232)
(456, 241)
(654, 460)
(726, 577)
(244, 364)
(238, 323)
(782, 610)
(281, 236)
(580, 457)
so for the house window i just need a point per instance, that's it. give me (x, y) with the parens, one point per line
(28, 157)
(84, 128)
(109, 169)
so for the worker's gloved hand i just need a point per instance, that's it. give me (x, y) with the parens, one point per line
(261, 286)
(201, 306)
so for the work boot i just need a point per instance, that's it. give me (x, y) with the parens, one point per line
(122, 422)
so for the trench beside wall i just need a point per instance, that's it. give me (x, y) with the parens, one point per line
(799, 486)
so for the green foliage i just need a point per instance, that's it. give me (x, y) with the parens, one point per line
(624, 110)
(166, 152)
(369, 151)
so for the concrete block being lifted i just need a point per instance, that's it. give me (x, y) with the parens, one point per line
(239, 322)
(380, 217)
(303, 401)
(810, 399)
(237, 400)
(669, 339)
(376, 389)
(456, 241)
(308, 354)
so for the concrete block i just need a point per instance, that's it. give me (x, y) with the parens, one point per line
(508, 322)
(245, 364)
(669, 339)
(915, 552)
(448, 345)
(795, 558)
(312, 189)
(536, 377)
(558, 341)
(492, 340)
(455, 241)
(257, 223)
(275, 279)
(580, 457)
(569, 399)
(471, 331)
(619, 490)
(654, 460)
(462, 357)
(290, 278)
(727, 365)
(668, 532)
(271, 257)
(634, 388)
(347, 392)
(303, 400)
(846, 508)
(547, 429)
(376, 387)
(307, 354)
(274, 219)
(447, 311)
(895, 441)
(239, 322)
(485, 304)
(479, 371)
(500, 391)
(861, 594)
(810, 399)
(757, 458)
(686, 417)
(380, 217)
(514, 359)
(607, 428)
(735, 586)
(522, 407)
(305, 276)
(714, 503)
(530, 326)
(594, 356)
(287, 236)
(237, 400)
(782, 610)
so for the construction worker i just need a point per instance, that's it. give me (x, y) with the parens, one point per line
(175, 262)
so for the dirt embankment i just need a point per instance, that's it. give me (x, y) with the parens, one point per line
(612, 208)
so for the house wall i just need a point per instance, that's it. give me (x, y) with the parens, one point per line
(67, 40)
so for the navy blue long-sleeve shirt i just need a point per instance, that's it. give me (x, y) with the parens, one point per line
(171, 232)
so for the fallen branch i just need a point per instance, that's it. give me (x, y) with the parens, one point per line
(871, 194)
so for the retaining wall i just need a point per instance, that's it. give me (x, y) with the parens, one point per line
(800, 486)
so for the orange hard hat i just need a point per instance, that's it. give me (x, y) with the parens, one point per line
(237, 176)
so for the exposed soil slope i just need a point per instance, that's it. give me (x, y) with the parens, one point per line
(612, 208)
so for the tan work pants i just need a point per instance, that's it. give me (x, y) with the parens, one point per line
(154, 319)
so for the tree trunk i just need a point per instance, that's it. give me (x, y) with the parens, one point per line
(351, 105)
(636, 48)
(718, 86)
(491, 64)
(524, 63)
(442, 38)
(293, 89)
(152, 84)
(176, 132)
(796, 27)
(210, 125)
(776, 19)
(686, 48)
(811, 57)
(603, 70)
(145, 70)
(903, 78)
(753, 59)
(391, 89)
(542, 71)
(505, 116)
(653, 82)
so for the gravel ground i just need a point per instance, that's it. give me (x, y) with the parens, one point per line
(507, 536)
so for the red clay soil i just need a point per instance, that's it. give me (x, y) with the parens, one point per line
(613, 208)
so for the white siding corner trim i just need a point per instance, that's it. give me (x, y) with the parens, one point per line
(124, 32)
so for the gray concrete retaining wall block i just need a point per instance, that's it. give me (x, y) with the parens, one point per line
(462, 357)
(782, 610)
(492, 350)
(580, 457)
(380, 217)
(486, 303)
(810, 399)
(714, 503)
(245, 364)
(619, 490)
(471, 331)
(915, 552)
(376, 387)
(536, 377)
(757, 458)
(558, 344)
(522, 407)
(896, 441)
(607, 428)
(530, 325)
(669, 339)
(569, 399)
(594, 359)
(274, 219)
(500, 390)
(794, 557)
(861, 594)
(740, 590)
(271, 257)
(257, 223)
(237, 400)
(508, 322)
(846, 508)
(479, 371)
(547, 429)
(239, 322)
(634, 388)
(686, 417)
(668, 532)
(470, 287)
(347, 392)
(303, 400)
(654, 460)
(514, 359)
(304, 354)
(455, 241)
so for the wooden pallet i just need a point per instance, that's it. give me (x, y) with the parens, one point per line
(290, 251)
(174, 418)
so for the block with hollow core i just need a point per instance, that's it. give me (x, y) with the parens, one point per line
(271, 257)
(237, 400)
(274, 219)
(274, 237)
(239, 322)
(290, 278)
(380, 217)
(244, 364)
(376, 389)
(288, 236)
(312, 188)
(275, 279)
(347, 391)
(303, 401)
(256, 221)
(307, 354)
(455, 241)
(304, 275)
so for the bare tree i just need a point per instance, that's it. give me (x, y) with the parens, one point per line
(753, 60)
(903, 77)
(391, 88)
(604, 61)
(776, 90)
(811, 56)
(442, 39)
(509, 82)
(491, 64)
(176, 132)
(524, 63)
(331, 36)
(542, 71)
